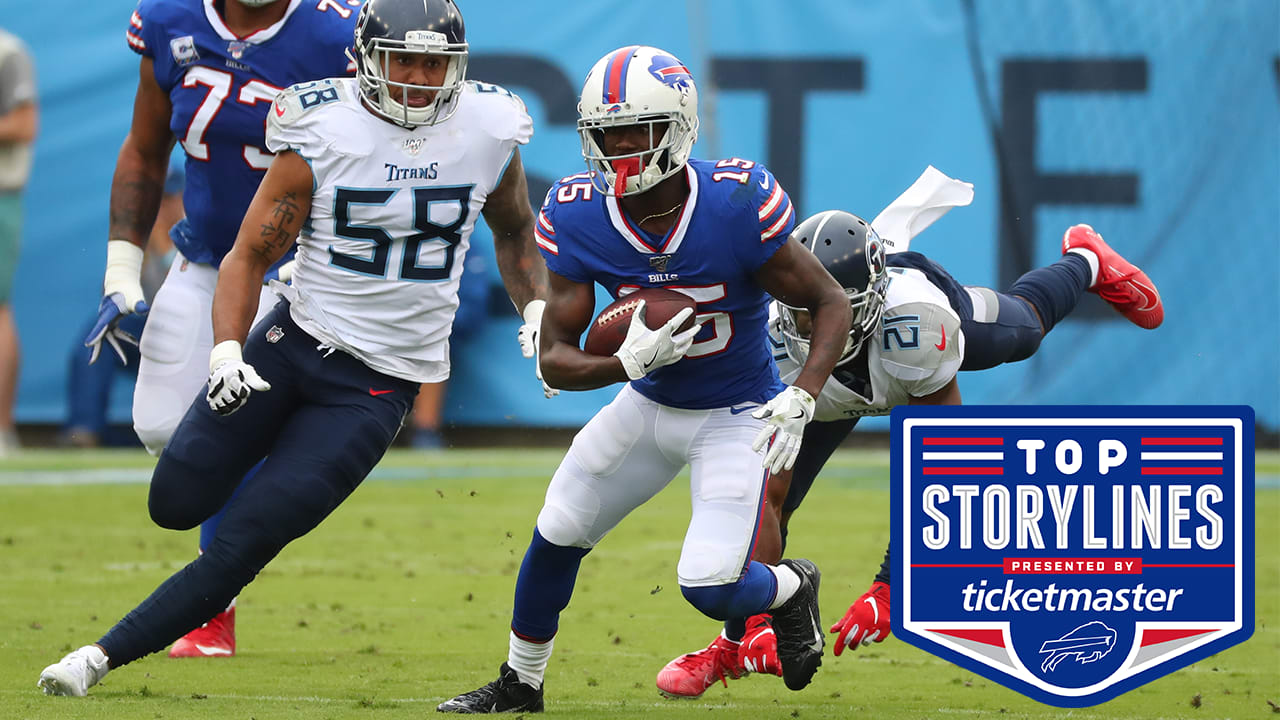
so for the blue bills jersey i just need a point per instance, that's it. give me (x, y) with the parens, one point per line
(736, 218)
(221, 87)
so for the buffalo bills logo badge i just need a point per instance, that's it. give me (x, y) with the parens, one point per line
(671, 72)
(1072, 553)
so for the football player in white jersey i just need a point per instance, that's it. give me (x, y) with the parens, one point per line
(380, 178)
(914, 328)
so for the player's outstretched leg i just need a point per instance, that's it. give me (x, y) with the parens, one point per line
(74, 674)
(799, 628)
(506, 694)
(689, 675)
(1118, 281)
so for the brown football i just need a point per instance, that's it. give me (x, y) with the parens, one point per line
(609, 329)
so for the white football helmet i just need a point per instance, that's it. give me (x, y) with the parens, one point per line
(428, 27)
(638, 85)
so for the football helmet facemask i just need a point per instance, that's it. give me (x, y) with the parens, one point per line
(853, 253)
(638, 85)
(426, 27)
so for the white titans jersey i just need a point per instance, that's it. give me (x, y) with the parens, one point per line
(392, 212)
(915, 351)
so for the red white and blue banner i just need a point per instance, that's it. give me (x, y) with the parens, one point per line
(1073, 553)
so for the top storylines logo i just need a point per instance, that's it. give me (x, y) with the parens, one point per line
(1073, 553)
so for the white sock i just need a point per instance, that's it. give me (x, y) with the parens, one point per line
(1090, 257)
(529, 659)
(788, 584)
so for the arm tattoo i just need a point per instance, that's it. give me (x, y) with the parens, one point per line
(277, 235)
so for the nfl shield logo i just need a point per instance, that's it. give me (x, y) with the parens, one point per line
(274, 334)
(237, 48)
(1072, 553)
(659, 262)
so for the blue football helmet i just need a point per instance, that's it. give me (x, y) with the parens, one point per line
(853, 253)
(428, 27)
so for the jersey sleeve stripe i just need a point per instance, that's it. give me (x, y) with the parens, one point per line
(135, 20)
(778, 226)
(545, 225)
(135, 42)
(771, 203)
(545, 243)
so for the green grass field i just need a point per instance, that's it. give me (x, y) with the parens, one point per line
(402, 599)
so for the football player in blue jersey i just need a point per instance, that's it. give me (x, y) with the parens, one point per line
(320, 387)
(208, 73)
(647, 215)
(915, 328)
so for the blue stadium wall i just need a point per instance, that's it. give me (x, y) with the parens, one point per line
(1158, 123)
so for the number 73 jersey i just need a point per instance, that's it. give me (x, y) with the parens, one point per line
(392, 211)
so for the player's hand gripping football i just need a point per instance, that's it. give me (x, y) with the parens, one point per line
(645, 350)
(231, 379)
(529, 335)
(867, 620)
(787, 414)
(121, 295)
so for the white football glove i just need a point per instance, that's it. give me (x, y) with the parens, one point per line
(231, 379)
(788, 412)
(529, 335)
(645, 350)
(121, 295)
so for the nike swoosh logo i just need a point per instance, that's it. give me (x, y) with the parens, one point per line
(764, 184)
(652, 360)
(376, 393)
(740, 410)
(279, 110)
(943, 344)
(875, 610)
(208, 650)
(816, 645)
(1151, 297)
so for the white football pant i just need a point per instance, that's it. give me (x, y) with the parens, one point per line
(175, 350)
(631, 450)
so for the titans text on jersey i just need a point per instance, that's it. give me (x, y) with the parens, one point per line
(381, 255)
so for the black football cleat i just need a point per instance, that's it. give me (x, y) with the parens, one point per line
(506, 694)
(798, 627)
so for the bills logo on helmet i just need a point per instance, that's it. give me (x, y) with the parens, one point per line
(671, 72)
(1072, 553)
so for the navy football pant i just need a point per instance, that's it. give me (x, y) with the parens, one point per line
(324, 424)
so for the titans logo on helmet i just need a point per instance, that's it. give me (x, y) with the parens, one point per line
(671, 72)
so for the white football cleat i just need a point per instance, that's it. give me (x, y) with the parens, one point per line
(76, 673)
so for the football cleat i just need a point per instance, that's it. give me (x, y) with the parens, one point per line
(689, 675)
(1119, 281)
(506, 694)
(216, 638)
(759, 650)
(74, 674)
(798, 627)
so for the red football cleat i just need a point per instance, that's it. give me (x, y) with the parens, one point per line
(1119, 281)
(216, 638)
(689, 675)
(759, 650)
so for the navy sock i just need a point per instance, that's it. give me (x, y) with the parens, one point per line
(735, 629)
(1055, 289)
(544, 587)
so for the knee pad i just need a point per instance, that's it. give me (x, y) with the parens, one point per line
(172, 502)
(154, 432)
(563, 526)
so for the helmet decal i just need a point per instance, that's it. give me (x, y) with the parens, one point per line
(671, 72)
(615, 79)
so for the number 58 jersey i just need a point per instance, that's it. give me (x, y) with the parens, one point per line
(392, 211)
